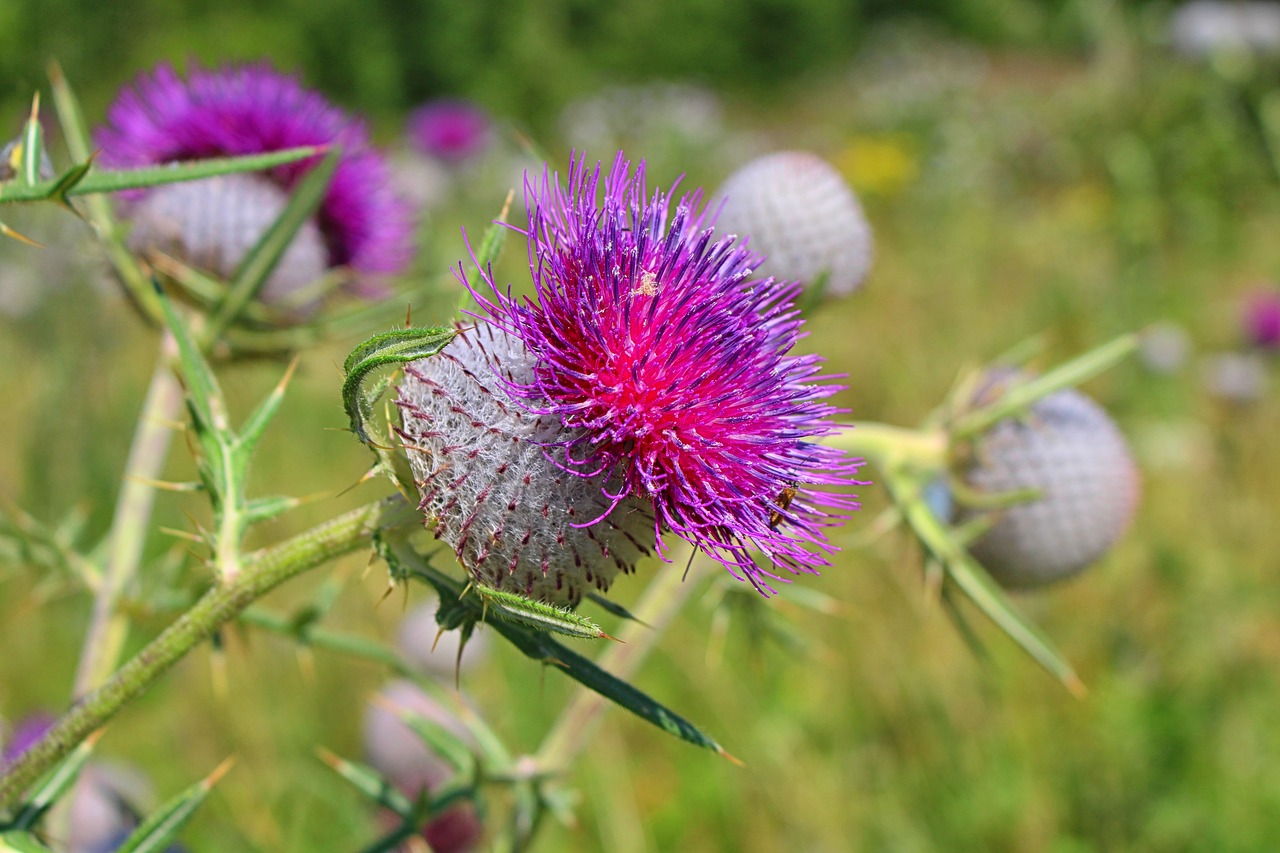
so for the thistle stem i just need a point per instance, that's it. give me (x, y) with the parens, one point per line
(264, 570)
(109, 625)
(891, 446)
(664, 597)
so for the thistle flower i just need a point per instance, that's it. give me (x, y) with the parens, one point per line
(1261, 319)
(450, 129)
(1069, 450)
(241, 110)
(649, 381)
(798, 211)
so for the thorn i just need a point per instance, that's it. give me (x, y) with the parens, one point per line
(604, 636)
(182, 534)
(732, 758)
(436, 641)
(218, 772)
(21, 238)
(35, 106)
(165, 485)
(1075, 686)
(408, 316)
(506, 205)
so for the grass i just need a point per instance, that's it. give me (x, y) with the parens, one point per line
(1047, 198)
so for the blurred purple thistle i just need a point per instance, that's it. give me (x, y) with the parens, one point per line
(26, 733)
(667, 365)
(452, 130)
(1261, 319)
(251, 109)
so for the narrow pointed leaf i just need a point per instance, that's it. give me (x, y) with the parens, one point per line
(440, 739)
(67, 181)
(538, 614)
(369, 782)
(158, 830)
(153, 176)
(539, 646)
(256, 424)
(1020, 396)
(265, 509)
(261, 261)
(32, 146)
(55, 784)
(395, 347)
(612, 607)
(202, 385)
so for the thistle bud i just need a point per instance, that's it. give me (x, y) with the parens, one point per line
(798, 212)
(1070, 451)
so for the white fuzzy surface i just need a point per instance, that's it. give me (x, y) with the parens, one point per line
(213, 223)
(1071, 451)
(801, 214)
(484, 468)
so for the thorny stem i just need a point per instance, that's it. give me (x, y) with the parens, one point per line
(109, 626)
(663, 598)
(264, 571)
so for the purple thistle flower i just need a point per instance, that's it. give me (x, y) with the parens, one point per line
(1261, 319)
(450, 129)
(666, 366)
(252, 109)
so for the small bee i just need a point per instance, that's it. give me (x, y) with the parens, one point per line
(783, 501)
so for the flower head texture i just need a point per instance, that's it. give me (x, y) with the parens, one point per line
(450, 129)
(664, 370)
(252, 109)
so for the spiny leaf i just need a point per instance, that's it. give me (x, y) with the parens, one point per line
(538, 614)
(539, 646)
(398, 346)
(159, 829)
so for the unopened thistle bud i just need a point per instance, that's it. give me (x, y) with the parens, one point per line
(798, 212)
(232, 111)
(1069, 450)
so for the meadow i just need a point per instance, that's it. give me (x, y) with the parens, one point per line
(1012, 193)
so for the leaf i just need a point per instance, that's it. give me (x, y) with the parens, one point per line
(1021, 395)
(32, 146)
(395, 347)
(54, 784)
(261, 261)
(612, 607)
(439, 739)
(538, 614)
(21, 842)
(539, 646)
(369, 782)
(160, 827)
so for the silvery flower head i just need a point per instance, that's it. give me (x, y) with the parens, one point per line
(361, 223)
(647, 387)
(799, 212)
(1068, 449)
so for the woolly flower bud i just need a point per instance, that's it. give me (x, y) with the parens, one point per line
(433, 652)
(399, 754)
(801, 215)
(1069, 450)
(492, 483)
(212, 224)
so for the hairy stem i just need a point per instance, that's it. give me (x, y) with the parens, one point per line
(264, 571)
(663, 599)
(109, 626)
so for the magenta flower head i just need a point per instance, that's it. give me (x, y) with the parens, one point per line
(658, 373)
(252, 109)
(452, 130)
(1261, 319)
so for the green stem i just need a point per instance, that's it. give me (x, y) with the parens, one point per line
(109, 626)
(662, 600)
(264, 571)
(891, 446)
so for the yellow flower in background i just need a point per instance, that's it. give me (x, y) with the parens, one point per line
(883, 164)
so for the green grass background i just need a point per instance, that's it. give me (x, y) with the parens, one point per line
(1079, 195)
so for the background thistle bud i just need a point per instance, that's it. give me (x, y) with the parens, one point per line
(400, 755)
(490, 482)
(802, 216)
(212, 224)
(1068, 449)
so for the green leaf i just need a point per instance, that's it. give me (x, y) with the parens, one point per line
(21, 842)
(612, 607)
(395, 347)
(159, 829)
(1022, 395)
(261, 261)
(154, 176)
(54, 784)
(538, 614)
(32, 146)
(439, 739)
(539, 646)
(369, 782)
